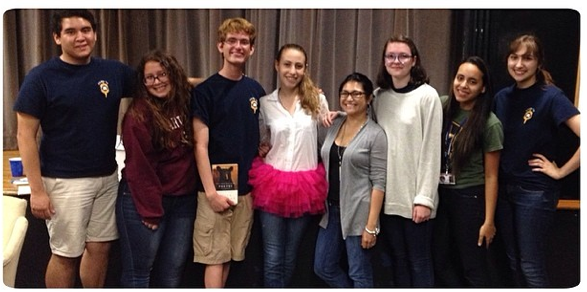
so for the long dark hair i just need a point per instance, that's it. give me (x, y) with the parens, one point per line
(471, 135)
(418, 74)
(176, 104)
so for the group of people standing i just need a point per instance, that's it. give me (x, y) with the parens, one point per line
(395, 157)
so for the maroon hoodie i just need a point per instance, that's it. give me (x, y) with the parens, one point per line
(151, 173)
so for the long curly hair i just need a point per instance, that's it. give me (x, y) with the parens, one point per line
(176, 104)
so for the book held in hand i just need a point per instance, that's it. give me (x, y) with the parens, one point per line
(225, 177)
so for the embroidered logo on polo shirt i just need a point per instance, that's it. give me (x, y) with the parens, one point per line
(528, 114)
(254, 104)
(104, 88)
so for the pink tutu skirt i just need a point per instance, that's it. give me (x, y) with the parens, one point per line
(289, 194)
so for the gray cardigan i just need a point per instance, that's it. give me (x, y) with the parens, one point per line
(363, 168)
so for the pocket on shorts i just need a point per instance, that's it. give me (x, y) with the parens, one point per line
(203, 235)
(49, 183)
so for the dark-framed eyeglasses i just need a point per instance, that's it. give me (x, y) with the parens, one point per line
(354, 94)
(150, 79)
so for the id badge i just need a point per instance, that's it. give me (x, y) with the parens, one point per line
(447, 179)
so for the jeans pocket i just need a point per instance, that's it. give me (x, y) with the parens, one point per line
(542, 199)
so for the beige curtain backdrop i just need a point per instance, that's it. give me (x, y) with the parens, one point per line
(338, 42)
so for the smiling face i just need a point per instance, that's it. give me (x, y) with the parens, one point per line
(77, 40)
(290, 68)
(468, 85)
(353, 99)
(236, 48)
(156, 80)
(522, 66)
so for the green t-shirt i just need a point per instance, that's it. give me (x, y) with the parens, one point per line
(472, 173)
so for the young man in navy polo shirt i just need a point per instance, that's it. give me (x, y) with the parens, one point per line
(73, 175)
(225, 111)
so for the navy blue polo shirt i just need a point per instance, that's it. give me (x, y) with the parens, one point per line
(230, 109)
(77, 106)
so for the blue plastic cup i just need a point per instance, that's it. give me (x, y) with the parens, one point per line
(16, 166)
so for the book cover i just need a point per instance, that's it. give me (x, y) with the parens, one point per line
(225, 177)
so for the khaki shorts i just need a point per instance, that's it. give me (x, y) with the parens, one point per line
(84, 212)
(222, 237)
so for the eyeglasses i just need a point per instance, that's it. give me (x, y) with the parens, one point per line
(150, 79)
(355, 94)
(402, 58)
(234, 42)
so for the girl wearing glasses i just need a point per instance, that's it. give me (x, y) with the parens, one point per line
(472, 139)
(355, 155)
(531, 110)
(156, 203)
(410, 112)
(289, 183)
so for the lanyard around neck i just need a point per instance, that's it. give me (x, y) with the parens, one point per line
(449, 139)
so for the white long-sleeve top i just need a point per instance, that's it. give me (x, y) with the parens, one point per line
(293, 138)
(413, 124)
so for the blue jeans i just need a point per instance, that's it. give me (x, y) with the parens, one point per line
(460, 215)
(154, 258)
(329, 250)
(523, 220)
(281, 240)
(410, 249)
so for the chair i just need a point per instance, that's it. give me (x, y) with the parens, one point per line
(14, 230)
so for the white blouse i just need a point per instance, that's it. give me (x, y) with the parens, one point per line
(293, 138)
